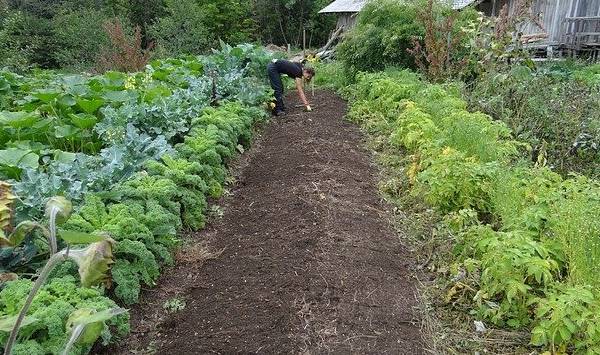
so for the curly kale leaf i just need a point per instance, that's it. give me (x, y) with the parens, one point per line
(51, 307)
(149, 223)
(144, 187)
(135, 264)
(189, 177)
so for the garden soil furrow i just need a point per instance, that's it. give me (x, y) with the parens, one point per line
(304, 259)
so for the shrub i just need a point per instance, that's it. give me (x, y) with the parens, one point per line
(184, 30)
(14, 52)
(560, 122)
(80, 36)
(381, 37)
(125, 52)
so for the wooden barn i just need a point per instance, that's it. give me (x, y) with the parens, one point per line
(565, 27)
(346, 10)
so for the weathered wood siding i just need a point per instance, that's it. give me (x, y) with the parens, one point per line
(582, 8)
(347, 20)
(552, 15)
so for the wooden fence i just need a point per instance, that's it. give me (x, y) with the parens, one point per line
(582, 34)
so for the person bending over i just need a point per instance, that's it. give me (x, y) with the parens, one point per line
(295, 71)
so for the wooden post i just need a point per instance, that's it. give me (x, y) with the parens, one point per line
(303, 42)
(289, 50)
(332, 39)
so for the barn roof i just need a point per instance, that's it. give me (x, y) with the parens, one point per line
(357, 5)
(344, 6)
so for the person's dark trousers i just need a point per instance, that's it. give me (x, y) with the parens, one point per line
(277, 86)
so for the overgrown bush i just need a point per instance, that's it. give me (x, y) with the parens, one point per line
(14, 51)
(382, 36)
(409, 34)
(184, 30)
(27, 41)
(80, 36)
(558, 116)
(442, 52)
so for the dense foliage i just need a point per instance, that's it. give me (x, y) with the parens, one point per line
(407, 34)
(71, 34)
(382, 36)
(525, 240)
(138, 154)
(561, 122)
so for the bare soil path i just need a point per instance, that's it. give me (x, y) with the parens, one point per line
(309, 262)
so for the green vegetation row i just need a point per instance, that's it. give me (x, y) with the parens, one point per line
(525, 241)
(139, 155)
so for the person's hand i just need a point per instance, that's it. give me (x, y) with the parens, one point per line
(308, 108)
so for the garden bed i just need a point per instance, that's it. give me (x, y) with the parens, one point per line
(138, 155)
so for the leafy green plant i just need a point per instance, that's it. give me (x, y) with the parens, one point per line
(568, 315)
(174, 305)
(572, 220)
(514, 266)
(384, 32)
(93, 261)
(524, 239)
(45, 328)
(452, 181)
(559, 123)
(521, 197)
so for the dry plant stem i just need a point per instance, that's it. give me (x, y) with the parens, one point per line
(52, 240)
(125, 53)
(434, 56)
(54, 260)
(74, 336)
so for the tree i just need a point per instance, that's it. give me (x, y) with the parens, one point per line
(183, 30)
(283, 21)
(80, 36)
(230, 19)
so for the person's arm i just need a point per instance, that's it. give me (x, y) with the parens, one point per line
(300, 88)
